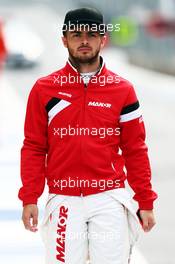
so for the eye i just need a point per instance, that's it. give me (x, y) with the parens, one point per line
(92, 34)
(76, 34)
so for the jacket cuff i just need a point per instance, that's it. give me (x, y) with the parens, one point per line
(145, 205)
(29, 201)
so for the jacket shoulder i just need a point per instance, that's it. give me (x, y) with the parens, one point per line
(44, 83)
(123, 81)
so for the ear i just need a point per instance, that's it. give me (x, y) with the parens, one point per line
(64, 40)
(103, 41)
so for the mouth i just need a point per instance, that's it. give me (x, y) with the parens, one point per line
(84, 49)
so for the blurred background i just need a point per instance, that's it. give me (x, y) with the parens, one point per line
(142, 51)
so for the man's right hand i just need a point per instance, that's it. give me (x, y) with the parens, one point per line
(30, 217)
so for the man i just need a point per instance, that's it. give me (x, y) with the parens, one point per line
(77, 119)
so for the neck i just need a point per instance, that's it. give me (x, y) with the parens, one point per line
(86, 67)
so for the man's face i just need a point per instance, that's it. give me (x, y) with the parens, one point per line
(83, 45)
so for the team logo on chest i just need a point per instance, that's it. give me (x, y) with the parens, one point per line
(99, 104)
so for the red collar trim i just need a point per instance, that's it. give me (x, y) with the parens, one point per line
(69, 68)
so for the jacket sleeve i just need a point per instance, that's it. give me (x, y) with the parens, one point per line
(34, 149)
(135, 152)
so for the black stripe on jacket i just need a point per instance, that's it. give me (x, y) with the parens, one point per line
(130, 108)
(52, 103)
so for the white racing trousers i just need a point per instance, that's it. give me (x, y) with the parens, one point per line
(101, 228)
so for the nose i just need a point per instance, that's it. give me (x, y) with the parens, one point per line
(84, 39)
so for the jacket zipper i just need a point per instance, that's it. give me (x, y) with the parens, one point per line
(85, 87)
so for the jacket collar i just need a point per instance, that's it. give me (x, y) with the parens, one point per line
(70, 69)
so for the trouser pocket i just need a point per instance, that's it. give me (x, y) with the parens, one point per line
(134, 227)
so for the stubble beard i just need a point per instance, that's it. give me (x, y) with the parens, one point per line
(81, 59)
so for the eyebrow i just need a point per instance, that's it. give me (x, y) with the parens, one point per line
(75, 31)
(79, 31)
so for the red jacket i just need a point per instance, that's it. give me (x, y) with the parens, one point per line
(73, 134)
